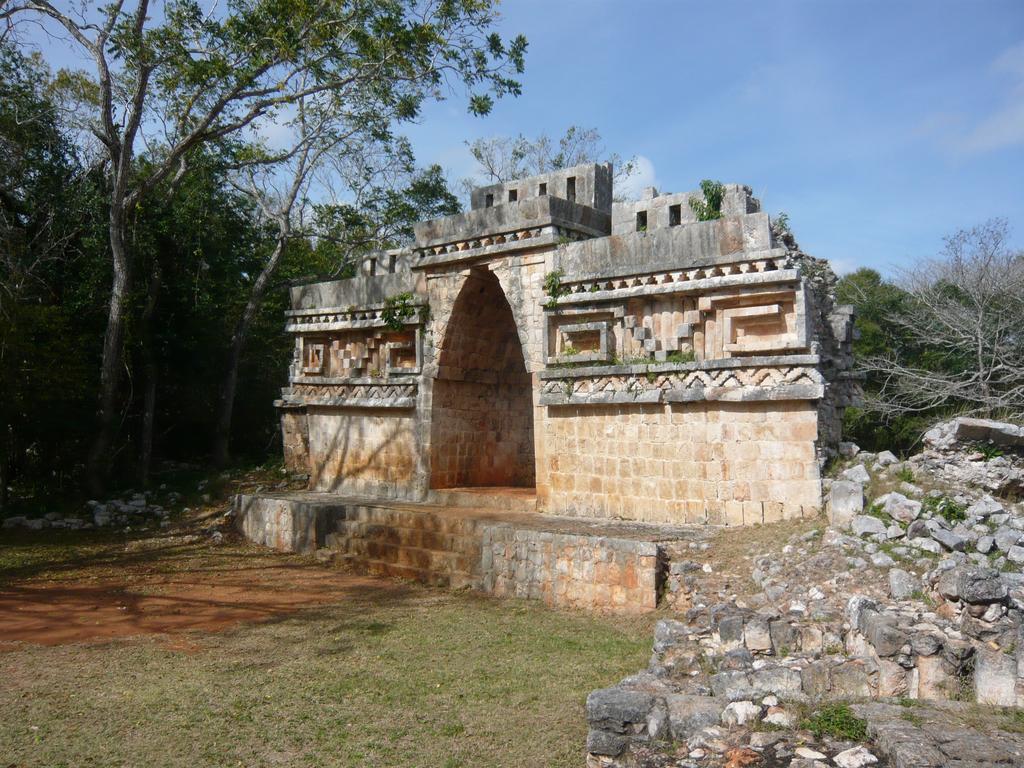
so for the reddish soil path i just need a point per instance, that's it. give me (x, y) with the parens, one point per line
(197, 599)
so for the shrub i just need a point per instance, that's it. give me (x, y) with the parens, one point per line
(837, 721)
(946, 507)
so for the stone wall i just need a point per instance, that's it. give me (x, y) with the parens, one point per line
(570, 570)
(704, 462)
(365, 452)
(295, 439)
(608, 569)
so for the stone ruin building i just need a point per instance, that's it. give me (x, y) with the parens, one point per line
(553, 351)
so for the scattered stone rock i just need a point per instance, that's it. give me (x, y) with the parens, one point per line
(949, 540)
(865, 525)
(887, 458)
(899, 507)
(856, 474)
(741, 713)
(902, 584)
(857, 757)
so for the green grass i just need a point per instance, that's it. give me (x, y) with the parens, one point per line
(403, 677)
(836, 721)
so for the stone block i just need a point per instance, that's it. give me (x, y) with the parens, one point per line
(865, 525)
(893, 679)
(845, 502)
(995, 678)
(902, 584)
(616, 709)
(757, 635)
(784, 682)
(981, 586)
(784, 636)
(851, 679)
(741, 713)
(933, 680)
(815, 679)
(856, 474)
(899, 507)
(688, 715)
(606, 743)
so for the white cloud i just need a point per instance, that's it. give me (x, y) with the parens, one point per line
(1002, 127)
(1011, 60)
(843, 266)
(643, 176)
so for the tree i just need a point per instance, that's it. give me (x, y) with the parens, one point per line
(504, 158)
(48, 212)
(960, 331)
(193, 76)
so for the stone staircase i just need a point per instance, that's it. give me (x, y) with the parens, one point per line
(492, 540)
(420, 544)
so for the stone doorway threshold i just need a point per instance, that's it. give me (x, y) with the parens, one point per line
(513, 499)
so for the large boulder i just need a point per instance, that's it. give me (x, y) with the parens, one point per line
(980, 586)
(899, 507)
(946, 435)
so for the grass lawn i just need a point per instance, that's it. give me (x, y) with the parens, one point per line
(399, 675)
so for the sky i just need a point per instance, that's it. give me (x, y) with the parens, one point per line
(878, 127)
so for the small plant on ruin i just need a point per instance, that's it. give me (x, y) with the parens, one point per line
(837, 721)
(781, 223)
(946, 507)
(905, 475)
(680, 357)
(553, 287)
(876, 511)
(570, 351)
(397, 310)
(989, 451)
(710, 208)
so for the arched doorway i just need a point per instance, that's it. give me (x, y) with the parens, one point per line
(482, 407)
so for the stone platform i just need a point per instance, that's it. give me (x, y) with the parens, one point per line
(491, 540)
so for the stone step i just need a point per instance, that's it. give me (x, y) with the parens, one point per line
(505, 500)
(408, 537)
(415, 518)
(434, 560)
(452, 580)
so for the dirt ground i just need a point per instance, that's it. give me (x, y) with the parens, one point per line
(164, 586)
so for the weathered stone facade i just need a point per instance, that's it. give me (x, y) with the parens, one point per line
(626, 360)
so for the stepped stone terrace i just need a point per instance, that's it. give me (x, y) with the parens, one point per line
(601, 360)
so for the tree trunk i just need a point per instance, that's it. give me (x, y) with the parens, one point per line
(150, 367)
(98, 467)
(6, 453)
(222, 436)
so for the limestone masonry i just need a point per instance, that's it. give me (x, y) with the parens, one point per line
(625, 360)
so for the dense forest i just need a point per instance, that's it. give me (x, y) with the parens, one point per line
(155, 204)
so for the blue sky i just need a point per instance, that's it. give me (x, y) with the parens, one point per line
(878, 127)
